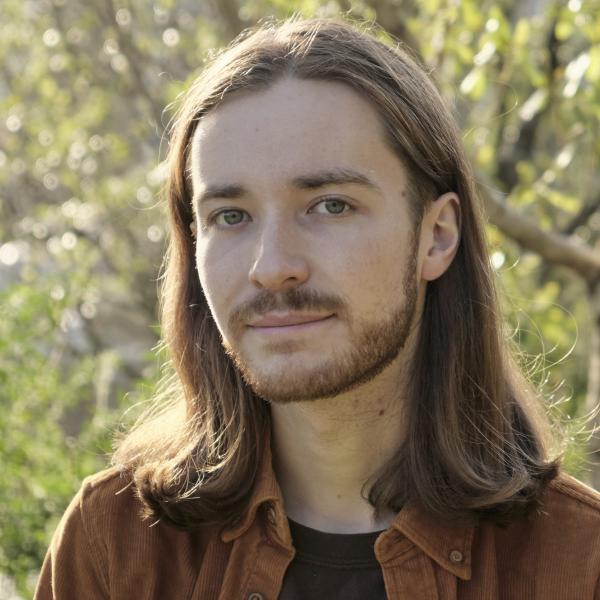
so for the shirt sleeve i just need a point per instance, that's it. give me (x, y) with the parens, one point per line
(74, 566)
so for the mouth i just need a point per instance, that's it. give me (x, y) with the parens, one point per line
(288, 322)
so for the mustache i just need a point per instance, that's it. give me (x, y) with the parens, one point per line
(295, 299)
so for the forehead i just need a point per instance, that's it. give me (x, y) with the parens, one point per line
(294, 126)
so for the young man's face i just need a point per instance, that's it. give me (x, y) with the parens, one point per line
(305, 247)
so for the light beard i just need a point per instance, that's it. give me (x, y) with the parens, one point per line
(373, 347)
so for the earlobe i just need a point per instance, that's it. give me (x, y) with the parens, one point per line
(442, 235)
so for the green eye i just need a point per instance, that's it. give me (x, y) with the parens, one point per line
(229, 217)
(335, 207)
(332, 206)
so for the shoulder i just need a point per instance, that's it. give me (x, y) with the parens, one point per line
(104, 501)
(555, 551)
(102, 546)
(110, 512)
(113, 513)
(105, 505)
(566, 526)
(107, 478)
(108, 492)
(77, 562)
(566, 497)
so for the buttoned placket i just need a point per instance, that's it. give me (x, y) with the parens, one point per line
(402, 563)
(423, 559)
(409, 572)
(260, 557)
(421, 556)
(262, 554)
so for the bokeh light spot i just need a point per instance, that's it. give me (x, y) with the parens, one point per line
(9, 253)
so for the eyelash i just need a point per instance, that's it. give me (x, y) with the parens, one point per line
(211, 220)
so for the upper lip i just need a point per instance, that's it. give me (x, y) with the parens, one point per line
(281, 319)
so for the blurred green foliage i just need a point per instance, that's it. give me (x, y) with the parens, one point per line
(83, 86)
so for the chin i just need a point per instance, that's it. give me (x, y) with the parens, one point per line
(285, 378)
(299, 383)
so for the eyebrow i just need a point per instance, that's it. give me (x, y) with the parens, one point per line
(310, 181)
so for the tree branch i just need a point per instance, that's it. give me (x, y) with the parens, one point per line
(582, 217)
(554, 248)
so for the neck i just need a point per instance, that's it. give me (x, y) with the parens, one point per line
(325, 450)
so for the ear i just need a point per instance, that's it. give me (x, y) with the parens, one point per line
(440, 235)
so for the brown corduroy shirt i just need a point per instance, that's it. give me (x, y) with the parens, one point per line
(102, 549)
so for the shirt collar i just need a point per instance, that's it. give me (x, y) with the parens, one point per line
(447, 543)
(266, 496)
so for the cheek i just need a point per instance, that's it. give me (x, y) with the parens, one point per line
(379, 273)
(377, 257)
(218, 273)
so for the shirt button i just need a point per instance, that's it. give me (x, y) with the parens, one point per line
(256, 596)
(456, 556)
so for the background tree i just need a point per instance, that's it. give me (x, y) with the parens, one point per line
(83, 87)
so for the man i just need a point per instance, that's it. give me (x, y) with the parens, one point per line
(346, 421)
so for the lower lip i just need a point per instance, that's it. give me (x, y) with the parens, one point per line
(291, 329)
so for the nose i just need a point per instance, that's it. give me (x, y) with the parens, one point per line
(279, 263)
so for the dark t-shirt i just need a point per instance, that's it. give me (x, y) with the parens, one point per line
(332, 566)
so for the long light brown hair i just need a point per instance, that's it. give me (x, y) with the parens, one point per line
(476, 445)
